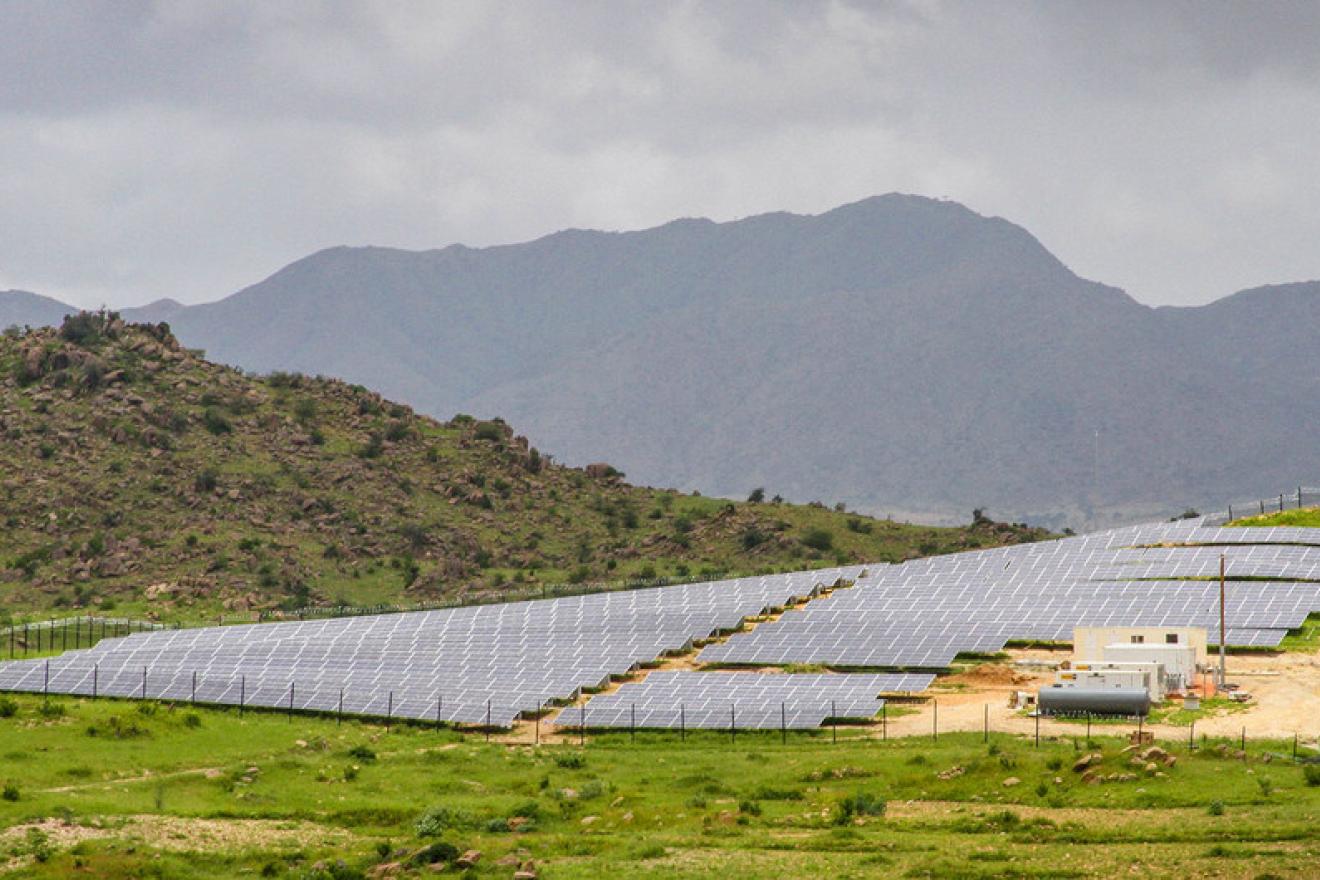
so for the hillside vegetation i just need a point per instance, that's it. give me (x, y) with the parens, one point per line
(1306, 517)
(138, 476)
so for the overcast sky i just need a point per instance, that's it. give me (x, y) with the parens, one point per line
(190, 148)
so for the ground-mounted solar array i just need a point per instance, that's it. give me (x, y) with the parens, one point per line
(922, 614)
(479, 664)
(490, 664)
(740, 700)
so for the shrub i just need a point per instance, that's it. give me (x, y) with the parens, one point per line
(304, 410)
(750, 808)
(859, 526)
(8, 708)
(440, 819)
(10, 792)
(768, 793)
(362, 753)
(1311, 773)
(571, 760)
(215, 421)
(1216, 808)
(205, 481)
(374, 447)
(860, 804)
(440, 851)
(85, 327)
(757, 496)
(752, 537)
(818, 539)
(491, 432)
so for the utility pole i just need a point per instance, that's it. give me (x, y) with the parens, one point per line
(1223, 629)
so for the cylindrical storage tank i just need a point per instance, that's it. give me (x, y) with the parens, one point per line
(1096, 701)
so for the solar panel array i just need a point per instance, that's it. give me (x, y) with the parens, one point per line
(476, 665)
(740, 700)
(921, 614)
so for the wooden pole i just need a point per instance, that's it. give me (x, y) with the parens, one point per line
(1223, 623)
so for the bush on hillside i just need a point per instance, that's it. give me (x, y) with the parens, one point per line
(818, 539)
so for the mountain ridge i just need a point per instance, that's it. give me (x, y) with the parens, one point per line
(906, 355)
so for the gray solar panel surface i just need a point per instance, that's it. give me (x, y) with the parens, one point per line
(922, 614)
(465, 665)
(739, 700)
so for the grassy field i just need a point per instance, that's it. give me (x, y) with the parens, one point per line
(1302, 517)
(117, 789)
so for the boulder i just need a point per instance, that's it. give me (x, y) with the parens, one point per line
(468, 859)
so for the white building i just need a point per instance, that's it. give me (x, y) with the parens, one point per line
(1089, 642)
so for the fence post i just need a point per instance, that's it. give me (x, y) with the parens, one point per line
(733, 725)
(783, 726)
(439, 707)
(1038, 727)
(682, 723)
(96, 674)
(291, 685)
(582, 726)
(632, 723)
(242, 694)
(339, 717)
(193, 698)
(144, 682)
(1280, 502)
(536, 719)
(487, 718)
(935, 720)
(45, 686)
(834, 724)
(1191, 736)
(884, 721)
(1244, 741)
(985, 737)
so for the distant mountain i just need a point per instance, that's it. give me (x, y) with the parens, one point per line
(901, 354)
(19, 308)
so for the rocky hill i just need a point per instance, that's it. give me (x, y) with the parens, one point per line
(901, 354)
(139, 476)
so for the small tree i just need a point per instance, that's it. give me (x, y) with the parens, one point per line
(757, 496)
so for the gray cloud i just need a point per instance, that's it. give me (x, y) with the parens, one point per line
(188, 148)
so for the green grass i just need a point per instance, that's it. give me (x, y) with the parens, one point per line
(708, 807)
(1306, 517)
(1305, 640)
